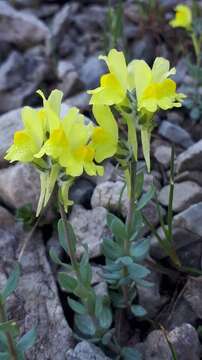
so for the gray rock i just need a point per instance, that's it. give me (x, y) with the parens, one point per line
(62, 20)
(81, 192)
(9, 124)
(113, 196)
(80, 100)
(191, 159)
(87, 351)
(144, 49)
(182, 239)
(188, 307)
(70, 84)
(90, 228)
(21, 75)
(162, 154)
(35, 302)
(190, 219)
(22, 186)
(186, 193)
(7, 220)
(21, 29)
(91, 71)
(184, 340)
(195, 176)
(175, 133)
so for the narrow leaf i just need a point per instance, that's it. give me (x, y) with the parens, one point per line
(27, 340)
(12, 282)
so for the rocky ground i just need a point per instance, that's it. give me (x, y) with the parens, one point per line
(54, 44)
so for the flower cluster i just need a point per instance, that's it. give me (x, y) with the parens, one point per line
(70, 146)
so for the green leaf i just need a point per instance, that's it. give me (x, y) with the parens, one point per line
(67, 282)
(61, 235)
(71, 237)
(57, 261)
(76, 306)
(130, 354)
(105, 318)
(139, 250)
(138, 310)
(137, 224)
(27, 340)
(10, 326)
(111, 249)
(117, 227)
(145, 137)
(3, 342)
(137, 271)
(125, 260)
(85, 325)
(146, 198)
(139, 184)
(11, 283)
(144, 283)
(86, 274)
(4, 356)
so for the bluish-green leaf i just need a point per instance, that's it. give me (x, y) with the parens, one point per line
(76, 306)
(105, 318)
(4, 356)
(145, 198)
(138, 310)
(137, 271)
(129, 353)
(67, 282)
(27, 340)
(85, 325)
(125, 260)
(117, 227)
(111, 249)
(86, 273)
(140, 249)
(57, 260)
(61, 235)
(11, 283)
(139, 184)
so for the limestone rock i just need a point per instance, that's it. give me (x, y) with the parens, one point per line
(191, 159)
(35, 302)
(19, 186)
(90, 228)
(184, 340)
(21, 29)
(175, 133)
(186, 193)
(87, 351)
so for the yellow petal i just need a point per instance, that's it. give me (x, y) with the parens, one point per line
(142, 76)
(23, 148)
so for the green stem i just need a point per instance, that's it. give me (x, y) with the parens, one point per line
(133, 171)
(71, 253)
(11, 344)
(171, 194)
(196, 46)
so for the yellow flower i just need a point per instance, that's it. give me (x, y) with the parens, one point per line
(51, 109)
(183, 17)
(113, 85)
(104, 136)
(27, 142)
(69, 145)
(153, 88)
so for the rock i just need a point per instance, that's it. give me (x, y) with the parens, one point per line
(87, 351)
(181, 238)
(81, 192)
(113, 196)
(151, 179)
(190, 219)
(91, 71)
(35, 302)
(149, 297)
(20, 29)
(188, 307)
(9, 124)
(184, 340)
(186, 193)
(90, 228)
(62, 20)
(195, 176)
(22, 186)
(70, 84)
(21, 75)
(6, 219)
(81, 101)
(143, 48)
(175, 133)
(162, 154)
(191, 159)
